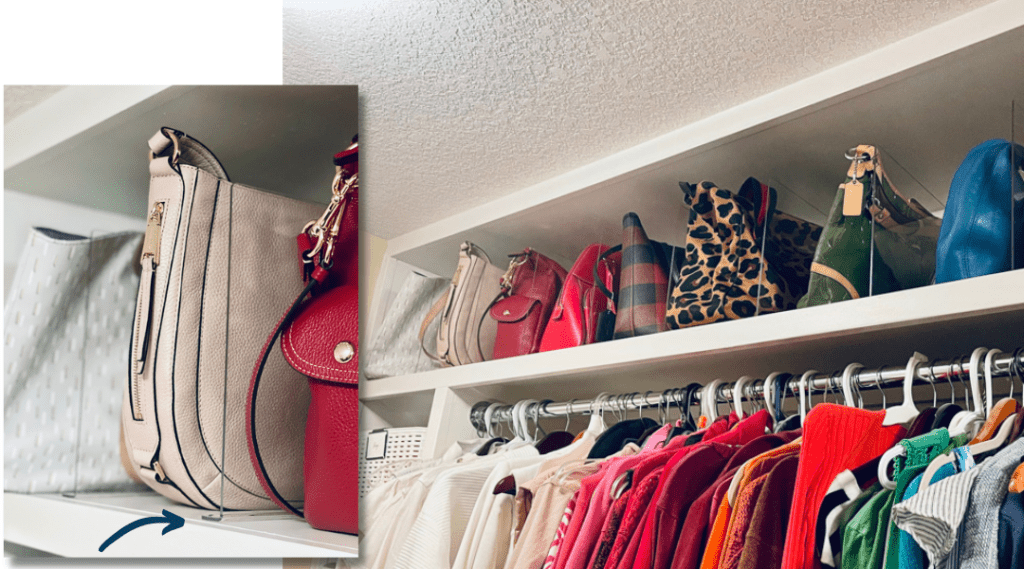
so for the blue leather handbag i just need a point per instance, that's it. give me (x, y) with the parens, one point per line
(983, 226)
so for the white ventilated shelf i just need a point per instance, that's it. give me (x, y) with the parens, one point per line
(924, 101)
(75, 527)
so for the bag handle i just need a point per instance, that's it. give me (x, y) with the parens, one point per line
(179, 148)
(316, 246)
(432, 315)
(597, 279)
(507, 279)
(254, 385)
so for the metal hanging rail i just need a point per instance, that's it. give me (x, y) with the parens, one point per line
(926, 374)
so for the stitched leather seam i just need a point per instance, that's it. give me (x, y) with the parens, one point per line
(836, 276)
(157, 328)
(199, 350)
(174, 355)
(287, 346)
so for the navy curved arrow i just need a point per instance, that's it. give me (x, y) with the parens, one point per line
(173, 522)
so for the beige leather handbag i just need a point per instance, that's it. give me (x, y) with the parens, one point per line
(464, 334)
(218, 270)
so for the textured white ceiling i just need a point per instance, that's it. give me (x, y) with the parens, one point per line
(462, 102)
(20, 98)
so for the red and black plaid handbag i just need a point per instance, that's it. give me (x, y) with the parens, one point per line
(643, 284)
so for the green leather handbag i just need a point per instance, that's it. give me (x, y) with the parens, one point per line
(848, 263)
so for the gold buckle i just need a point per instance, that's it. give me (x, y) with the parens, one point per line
(176, 153)
(325, 228)
(520, 259)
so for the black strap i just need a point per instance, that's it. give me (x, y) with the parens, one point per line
(597, 279)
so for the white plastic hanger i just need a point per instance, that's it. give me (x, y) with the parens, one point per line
(994, 443)
(488, 415)
(847, 381)
(737, 394)
(769, 395)
(517, 425)
(704, 403)
(597, 424)
(803, 393)
(989, 357)
(964, 422)
(907, 410)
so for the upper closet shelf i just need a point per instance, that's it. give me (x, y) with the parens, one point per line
(939, 321)
(270, 137)
(924, 101)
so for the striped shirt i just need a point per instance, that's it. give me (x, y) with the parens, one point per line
(935, 517)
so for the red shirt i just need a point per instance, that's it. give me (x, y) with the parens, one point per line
(634, 515)
(689, 551)
(767, 534)
(745, 431)
(611, 529)
(836, 438)
(746, 501)
(586, 538)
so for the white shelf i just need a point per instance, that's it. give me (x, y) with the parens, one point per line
(984, 311)
(75, 527)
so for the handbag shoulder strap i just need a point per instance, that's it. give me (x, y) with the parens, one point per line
(254, 386)
(432, 315)
(597, 278)
(317, 263)
(169, 148)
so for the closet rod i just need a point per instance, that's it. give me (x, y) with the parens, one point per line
(883, 377)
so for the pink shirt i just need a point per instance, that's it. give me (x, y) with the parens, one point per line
(587, 486)
(589, 534)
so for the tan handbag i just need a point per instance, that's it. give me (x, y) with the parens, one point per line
(464, 334)
(218, 270)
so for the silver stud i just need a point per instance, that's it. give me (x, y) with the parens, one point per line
(344, 352)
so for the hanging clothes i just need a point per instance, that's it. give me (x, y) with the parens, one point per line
(1011, 532)
(688, 551)
(734, 495)
(765, 537)
(835, 438)
(540, 502)
(969, 500)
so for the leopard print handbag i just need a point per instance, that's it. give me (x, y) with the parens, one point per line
(724, 275)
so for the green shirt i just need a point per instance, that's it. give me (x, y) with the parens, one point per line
(865, 536)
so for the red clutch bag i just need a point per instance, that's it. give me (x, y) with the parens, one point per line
(319, 337)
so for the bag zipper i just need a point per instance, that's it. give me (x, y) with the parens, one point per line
(149, 260)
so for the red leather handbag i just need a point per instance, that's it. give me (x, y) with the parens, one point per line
(320, 337)
(573, 321)
(529, 289)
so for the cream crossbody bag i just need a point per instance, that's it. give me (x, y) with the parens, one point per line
(218, 270)
(464, 335)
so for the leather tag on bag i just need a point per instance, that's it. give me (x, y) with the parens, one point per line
(853, 199)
